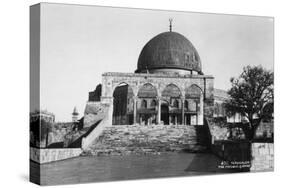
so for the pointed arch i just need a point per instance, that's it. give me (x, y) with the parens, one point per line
(193, 91)
(123, 85)
(171, 90)
(122, 104)
(147, 91)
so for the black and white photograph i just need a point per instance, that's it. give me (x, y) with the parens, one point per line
(128, 94)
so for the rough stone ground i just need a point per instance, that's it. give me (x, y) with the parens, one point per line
(153, 139)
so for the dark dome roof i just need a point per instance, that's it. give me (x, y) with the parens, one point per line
(169, 50)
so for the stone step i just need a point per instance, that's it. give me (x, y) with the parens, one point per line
(147, 139)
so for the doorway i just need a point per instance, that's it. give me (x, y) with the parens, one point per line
(165, 114)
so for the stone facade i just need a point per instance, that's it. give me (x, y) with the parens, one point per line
(160, 81)
(111, 80)
(263, 157)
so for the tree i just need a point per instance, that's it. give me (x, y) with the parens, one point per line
(251, 95)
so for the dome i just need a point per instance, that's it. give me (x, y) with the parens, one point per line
(169, 51)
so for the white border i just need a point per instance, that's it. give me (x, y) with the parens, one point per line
(14, 58)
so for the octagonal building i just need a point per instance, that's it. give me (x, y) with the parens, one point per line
(168, 86)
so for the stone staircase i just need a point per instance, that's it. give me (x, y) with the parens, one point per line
(152, 139)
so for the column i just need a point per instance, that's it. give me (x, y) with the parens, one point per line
(197, 111)
(109, 100)
(135, 109)
(201, 111)
(158, 121)
(170, 119)
(182, 111)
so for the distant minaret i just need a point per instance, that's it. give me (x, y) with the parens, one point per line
(75, 115)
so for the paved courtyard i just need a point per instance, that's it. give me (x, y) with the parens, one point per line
(112, 168)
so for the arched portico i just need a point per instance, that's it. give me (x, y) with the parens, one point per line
(172, 107)
(123, 105)
(146, 112)
(165, 112)
(193, 111)
(181, 96)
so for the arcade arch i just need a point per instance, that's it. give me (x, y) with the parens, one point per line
(123, 105)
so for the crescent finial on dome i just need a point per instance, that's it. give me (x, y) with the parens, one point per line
(171, 25)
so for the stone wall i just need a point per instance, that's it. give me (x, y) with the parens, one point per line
(151, 139)
(230, 150)
(58, 132)
(104, 122)
(49, 155)
(94, 112)
(263, 157)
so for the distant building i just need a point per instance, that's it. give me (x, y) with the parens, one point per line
(43, 115)
(221, 96)
(40, 121)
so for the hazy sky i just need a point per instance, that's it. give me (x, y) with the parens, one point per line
(79, 43)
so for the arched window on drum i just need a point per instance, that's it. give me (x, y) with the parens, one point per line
(143, 103)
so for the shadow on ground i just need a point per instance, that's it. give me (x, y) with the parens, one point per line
(209, 164)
